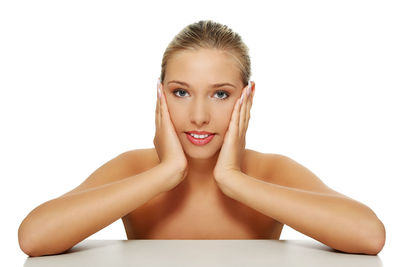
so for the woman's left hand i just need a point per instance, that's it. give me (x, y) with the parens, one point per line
(233, 148)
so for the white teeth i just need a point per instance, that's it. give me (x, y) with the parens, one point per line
(199, 136)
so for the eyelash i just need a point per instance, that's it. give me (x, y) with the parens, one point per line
(220, 91)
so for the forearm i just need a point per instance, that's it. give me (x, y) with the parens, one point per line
(59, 224)
(336, 221)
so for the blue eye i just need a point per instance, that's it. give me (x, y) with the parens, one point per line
(179, 91)
(220, 94)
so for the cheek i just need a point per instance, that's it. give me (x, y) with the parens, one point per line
(222, 117)
(176, 115)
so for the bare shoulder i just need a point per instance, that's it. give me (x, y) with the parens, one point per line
(283, 170)
(261, 164)
(145, 158)
(122, 166)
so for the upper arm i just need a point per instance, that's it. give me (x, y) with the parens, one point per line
(121, 166)
(288, 172)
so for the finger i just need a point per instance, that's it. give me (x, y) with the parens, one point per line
(158, 115)
(234, 122)
(162, 104)
(165, 118)
(248, 102)
(249, 105)
(243, 111)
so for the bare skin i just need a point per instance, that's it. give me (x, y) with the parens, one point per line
(221, 190)
(202, 211)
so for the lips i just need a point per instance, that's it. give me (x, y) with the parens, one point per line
(199, 137)
(199, 132)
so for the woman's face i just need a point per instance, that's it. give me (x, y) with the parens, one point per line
(197, 99)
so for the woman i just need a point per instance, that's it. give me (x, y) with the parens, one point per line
(199, 182)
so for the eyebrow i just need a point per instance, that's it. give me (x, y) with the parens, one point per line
(213, 86)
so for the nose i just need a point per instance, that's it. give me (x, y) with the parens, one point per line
(199, 113)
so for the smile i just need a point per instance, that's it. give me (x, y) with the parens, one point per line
(199, 139)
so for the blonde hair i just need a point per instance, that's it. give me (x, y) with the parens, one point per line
(211, 35)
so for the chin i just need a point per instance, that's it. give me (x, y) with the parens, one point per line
(200, 154)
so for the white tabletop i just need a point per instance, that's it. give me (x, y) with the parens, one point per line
(205, 253)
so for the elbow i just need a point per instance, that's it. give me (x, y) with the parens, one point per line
(34, 249)
(26, 243)
(373, 238)
(376, 239)
(373, 247)
(368, 236)
(367, 243)
(28, 249)
(33, 244)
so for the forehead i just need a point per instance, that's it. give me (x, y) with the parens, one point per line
(205, 65)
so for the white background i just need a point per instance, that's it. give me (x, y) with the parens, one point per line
(78, 87)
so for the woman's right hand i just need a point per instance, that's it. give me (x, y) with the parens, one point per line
(166, 142)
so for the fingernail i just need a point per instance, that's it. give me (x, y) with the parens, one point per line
(249, 88)
(158, 87)
(241, 99)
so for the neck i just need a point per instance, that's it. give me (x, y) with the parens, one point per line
(200, 172)
(203, 166)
